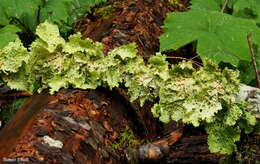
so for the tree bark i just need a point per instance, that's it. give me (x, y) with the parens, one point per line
(72, 126)
(75, 126)
(100, 126)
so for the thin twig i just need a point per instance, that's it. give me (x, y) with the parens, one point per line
(252, 52)
(181, 58)
(224, 6)
(194, 57)
(177, 57)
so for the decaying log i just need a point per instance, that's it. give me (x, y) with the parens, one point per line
(192, 149)
(136, 21)
(156, 150)
(130, 21)
(7, 97)
(75, 126)
(23, 120)
(72, 126)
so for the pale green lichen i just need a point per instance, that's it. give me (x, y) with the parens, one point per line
(194, 96)
(13, 56)
(205, 96)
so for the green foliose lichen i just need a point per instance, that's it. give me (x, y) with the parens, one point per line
(204, 96)
(196, 95)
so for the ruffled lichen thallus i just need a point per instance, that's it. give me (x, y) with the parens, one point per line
(200, 97)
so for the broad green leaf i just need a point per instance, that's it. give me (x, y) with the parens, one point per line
(19, 81)
(55, 11)
(247, 9)
(212, 5)
(27, 14)
(66, 12)
(3, 17)
(80, 7)
(247, 72)
(8, 34)
(220, 37)
(24, 10)
(18, 8)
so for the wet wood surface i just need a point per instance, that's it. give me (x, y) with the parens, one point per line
(20, 123)
(75, 126)
(72, 126)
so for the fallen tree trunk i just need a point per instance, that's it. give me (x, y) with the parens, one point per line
(75, 126)
(72, 126)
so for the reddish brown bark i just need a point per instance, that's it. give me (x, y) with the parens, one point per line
(136, 21)
(88, 123)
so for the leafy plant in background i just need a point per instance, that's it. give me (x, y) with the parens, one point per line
(219, 36)
(200, 97)
(249, 9)
(13, 107)
(24, 15)
(7, 34)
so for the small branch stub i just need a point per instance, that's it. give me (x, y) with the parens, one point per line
(224, 6)
(252, 52)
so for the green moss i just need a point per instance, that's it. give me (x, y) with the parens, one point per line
(127, 140)
(12, 109)
(104, 12)
(176, 3)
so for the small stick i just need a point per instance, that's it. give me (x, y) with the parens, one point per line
(224, 6)
(252, 52)
(181, 58)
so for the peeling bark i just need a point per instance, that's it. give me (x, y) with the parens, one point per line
(136, 21)
(72, 126)
(75, 126)
(252, 96)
